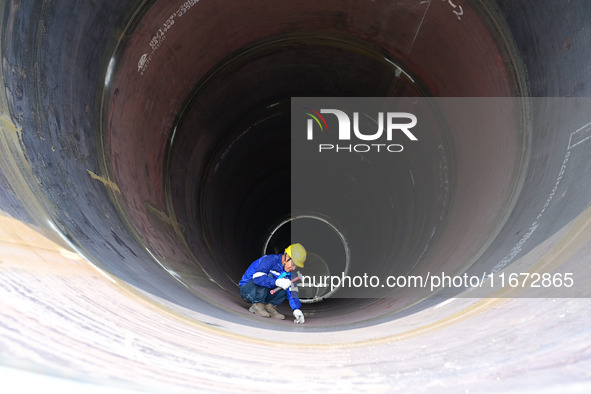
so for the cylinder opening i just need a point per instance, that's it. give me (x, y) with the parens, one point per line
(196, 133)
(329, 253)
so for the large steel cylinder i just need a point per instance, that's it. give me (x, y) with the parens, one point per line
(152, 140)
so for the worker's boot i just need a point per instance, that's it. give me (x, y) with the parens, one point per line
(259, 310)
(273, 312)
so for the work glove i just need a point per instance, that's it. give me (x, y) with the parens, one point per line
(299, 317)
(284, 283)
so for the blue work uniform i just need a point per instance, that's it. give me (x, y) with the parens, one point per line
(264, 271)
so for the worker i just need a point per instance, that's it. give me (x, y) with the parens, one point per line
(270, 272)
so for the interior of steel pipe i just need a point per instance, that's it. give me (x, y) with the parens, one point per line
(153, 139)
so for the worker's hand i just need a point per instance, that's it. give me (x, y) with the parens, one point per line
(284, 283)
(299, 317)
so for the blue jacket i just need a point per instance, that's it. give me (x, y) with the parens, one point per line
(265, 270)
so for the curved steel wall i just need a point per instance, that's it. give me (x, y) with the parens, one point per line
(116, 117)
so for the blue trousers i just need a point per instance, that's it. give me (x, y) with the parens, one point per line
(254, 293)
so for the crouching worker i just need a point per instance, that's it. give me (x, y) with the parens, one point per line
(270, 272)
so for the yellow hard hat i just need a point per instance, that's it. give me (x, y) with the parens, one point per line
(297, 254)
